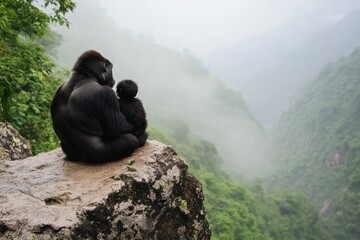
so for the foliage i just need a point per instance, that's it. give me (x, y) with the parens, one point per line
(289, 215)
(27, 79)
(235, 211)
(319, 145)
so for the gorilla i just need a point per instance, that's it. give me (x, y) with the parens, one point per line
(132, 108)
(86, 114)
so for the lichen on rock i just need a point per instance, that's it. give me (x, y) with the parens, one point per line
(149, 195)
(12, 145)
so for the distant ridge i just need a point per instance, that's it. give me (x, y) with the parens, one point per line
(269, 69)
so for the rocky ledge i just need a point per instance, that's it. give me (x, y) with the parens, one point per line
(149, 195)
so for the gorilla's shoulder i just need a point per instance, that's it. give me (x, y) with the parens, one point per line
(93, 94)
(92, 89)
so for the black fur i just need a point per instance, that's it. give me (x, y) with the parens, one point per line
(86, 114)
(132, 108)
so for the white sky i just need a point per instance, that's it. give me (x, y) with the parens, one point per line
(200, 25)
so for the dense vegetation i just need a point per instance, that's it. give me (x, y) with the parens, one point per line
(237, 211)
(319, 138)
(28, 79)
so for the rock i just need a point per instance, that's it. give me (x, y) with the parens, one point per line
(4, 155)
(149, 195)
(12, 145)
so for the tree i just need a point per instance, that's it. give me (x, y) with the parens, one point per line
(27, 78)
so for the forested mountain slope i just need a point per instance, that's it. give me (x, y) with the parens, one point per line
(269, 69)
(236, 211)
(319, 142)
(175, 88)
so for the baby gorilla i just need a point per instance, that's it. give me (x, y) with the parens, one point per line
(132, 108)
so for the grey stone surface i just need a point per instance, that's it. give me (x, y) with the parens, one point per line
(149, 195)
(12, 145)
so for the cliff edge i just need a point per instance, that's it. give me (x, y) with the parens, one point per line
(149, 195)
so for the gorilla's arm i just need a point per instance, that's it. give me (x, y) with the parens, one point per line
(135, 113)
(111, 119)
(94, 149)
(55, 104)
(93, 108)
(58, 111)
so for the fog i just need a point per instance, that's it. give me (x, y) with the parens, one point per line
(180, 54)
(248, 44)
(204, 26)
(174, 86)
(269, 69)
(201, 26)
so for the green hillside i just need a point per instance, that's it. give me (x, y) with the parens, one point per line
(237, 211)
(319, 142)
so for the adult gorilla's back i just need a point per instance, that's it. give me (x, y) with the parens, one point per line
(86, 114)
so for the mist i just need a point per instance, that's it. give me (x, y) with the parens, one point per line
(200, 26)
(223, 69)
(174, 86)
(269, 69)
(266, 50)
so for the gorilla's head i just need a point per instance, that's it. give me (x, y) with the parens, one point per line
(126, 89)
(94, 64)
